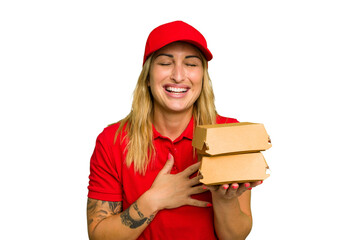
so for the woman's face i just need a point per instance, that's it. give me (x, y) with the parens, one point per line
(176, 75)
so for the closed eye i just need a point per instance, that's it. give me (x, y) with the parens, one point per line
(164, 64)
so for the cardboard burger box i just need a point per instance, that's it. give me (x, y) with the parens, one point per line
(231, 152)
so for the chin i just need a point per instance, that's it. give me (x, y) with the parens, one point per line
(179, 109)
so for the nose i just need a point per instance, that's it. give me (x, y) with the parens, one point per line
(178, 73)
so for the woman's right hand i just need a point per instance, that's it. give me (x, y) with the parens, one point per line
(174, 190)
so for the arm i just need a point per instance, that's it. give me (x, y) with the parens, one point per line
(107, 220)
(232, 212)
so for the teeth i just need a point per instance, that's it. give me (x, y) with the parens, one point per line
(176, 90)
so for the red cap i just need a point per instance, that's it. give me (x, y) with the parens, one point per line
(173, 32)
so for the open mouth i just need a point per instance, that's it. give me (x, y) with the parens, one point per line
(176, 90)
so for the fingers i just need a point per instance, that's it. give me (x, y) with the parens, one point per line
(191, 169)
(197, 190)
(255, 184)
(211, 187)
(240, 187)
(194, 181)
(198, 203)
(168, 165)
(237, 189)
(232, 190)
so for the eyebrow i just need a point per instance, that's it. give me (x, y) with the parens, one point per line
(172, 56)
(193, 56)
(164, 54)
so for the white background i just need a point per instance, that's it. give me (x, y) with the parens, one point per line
(68, 68)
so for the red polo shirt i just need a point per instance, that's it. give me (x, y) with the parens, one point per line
(112, 180)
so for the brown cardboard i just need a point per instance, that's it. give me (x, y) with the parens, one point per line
(231, 152)
(231, 138)
(237, 168)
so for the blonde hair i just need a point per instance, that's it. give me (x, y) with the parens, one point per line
(138, 123)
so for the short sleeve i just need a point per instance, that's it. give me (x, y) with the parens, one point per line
(104, 179)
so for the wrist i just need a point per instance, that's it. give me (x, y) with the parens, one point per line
(221, 201)
(150, 202)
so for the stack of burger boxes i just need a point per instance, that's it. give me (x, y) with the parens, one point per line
(230, 153)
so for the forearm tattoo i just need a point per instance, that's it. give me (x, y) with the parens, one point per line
(98, 210)
(127, 220)
(137, 210)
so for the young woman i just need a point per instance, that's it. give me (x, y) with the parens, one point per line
(143, 182)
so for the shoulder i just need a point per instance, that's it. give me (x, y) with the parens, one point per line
(222, 120)
(112, 132)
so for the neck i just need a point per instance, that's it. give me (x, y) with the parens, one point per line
(170, 124)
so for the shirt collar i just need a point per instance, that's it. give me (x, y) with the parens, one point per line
(187, 133)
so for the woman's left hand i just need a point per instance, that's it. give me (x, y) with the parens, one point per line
(230, 191)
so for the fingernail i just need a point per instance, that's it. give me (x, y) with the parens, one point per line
(249, 188)
(261, 182)
(209, 205)
(225, 187)
(247, 184)
(204, 187)
(169, 156)
(234, 186)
